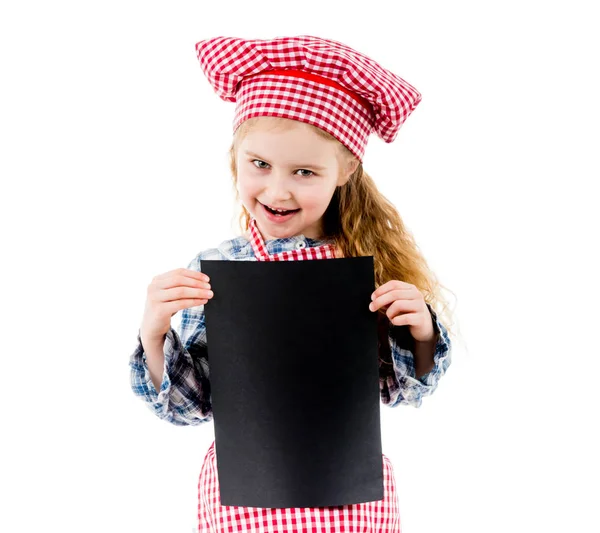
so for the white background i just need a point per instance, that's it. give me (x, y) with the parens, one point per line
(114, 169)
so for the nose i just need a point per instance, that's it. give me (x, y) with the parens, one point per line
(277, 189)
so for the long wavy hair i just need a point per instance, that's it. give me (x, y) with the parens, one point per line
(363, 222)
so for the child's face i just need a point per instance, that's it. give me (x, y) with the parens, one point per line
(289, 168)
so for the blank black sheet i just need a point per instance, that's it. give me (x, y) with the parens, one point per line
(294, 374)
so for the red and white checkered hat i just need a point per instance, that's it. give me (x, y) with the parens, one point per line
(319, 81)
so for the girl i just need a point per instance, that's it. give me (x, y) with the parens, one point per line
(305, 107)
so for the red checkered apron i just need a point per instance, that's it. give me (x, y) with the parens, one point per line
(377, 516)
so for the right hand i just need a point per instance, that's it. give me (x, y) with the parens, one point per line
(168, 293)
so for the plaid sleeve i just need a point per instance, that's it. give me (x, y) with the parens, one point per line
(184, 397)
(403, 386)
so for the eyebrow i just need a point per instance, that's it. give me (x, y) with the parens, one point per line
(318, 167)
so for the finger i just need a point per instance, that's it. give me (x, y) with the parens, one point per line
(182, 293)
(402, 307)
(389, 286)
(389, 297)
(180, 280)
(178, 305)
(200, 275)
(402, 320)
(186, 272)
(381, 301)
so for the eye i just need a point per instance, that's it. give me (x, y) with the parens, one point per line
(266, 165)
(259, 162)
(306, 175)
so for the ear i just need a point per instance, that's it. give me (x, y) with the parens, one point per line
(351, 167)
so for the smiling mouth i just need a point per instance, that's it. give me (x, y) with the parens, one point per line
(279, 212)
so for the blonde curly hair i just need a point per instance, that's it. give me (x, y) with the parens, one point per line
(363, 222)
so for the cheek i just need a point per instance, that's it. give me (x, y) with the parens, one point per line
(315, 200)
(246, 186)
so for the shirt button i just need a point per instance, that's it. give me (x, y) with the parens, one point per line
(300, 245)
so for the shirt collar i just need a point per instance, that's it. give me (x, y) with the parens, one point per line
(289, 248)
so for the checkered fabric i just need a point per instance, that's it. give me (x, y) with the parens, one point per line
(314, 80)
(380, 516)
(326, 251)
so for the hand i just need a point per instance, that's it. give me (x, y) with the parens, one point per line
(407, 307)
(168, 293)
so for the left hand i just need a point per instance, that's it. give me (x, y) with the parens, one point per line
(407, 307)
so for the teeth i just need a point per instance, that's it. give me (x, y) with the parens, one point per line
(278, 210)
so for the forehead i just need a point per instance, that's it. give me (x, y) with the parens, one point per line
(293, 141)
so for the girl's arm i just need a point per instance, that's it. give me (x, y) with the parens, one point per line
(183, 397)
(399, 383)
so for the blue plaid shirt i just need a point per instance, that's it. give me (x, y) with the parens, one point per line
(184, 397)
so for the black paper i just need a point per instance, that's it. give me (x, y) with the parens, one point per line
(294, 375)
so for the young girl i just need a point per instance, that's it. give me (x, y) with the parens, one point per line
(305, 107)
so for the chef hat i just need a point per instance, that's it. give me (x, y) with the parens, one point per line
(318, 81)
